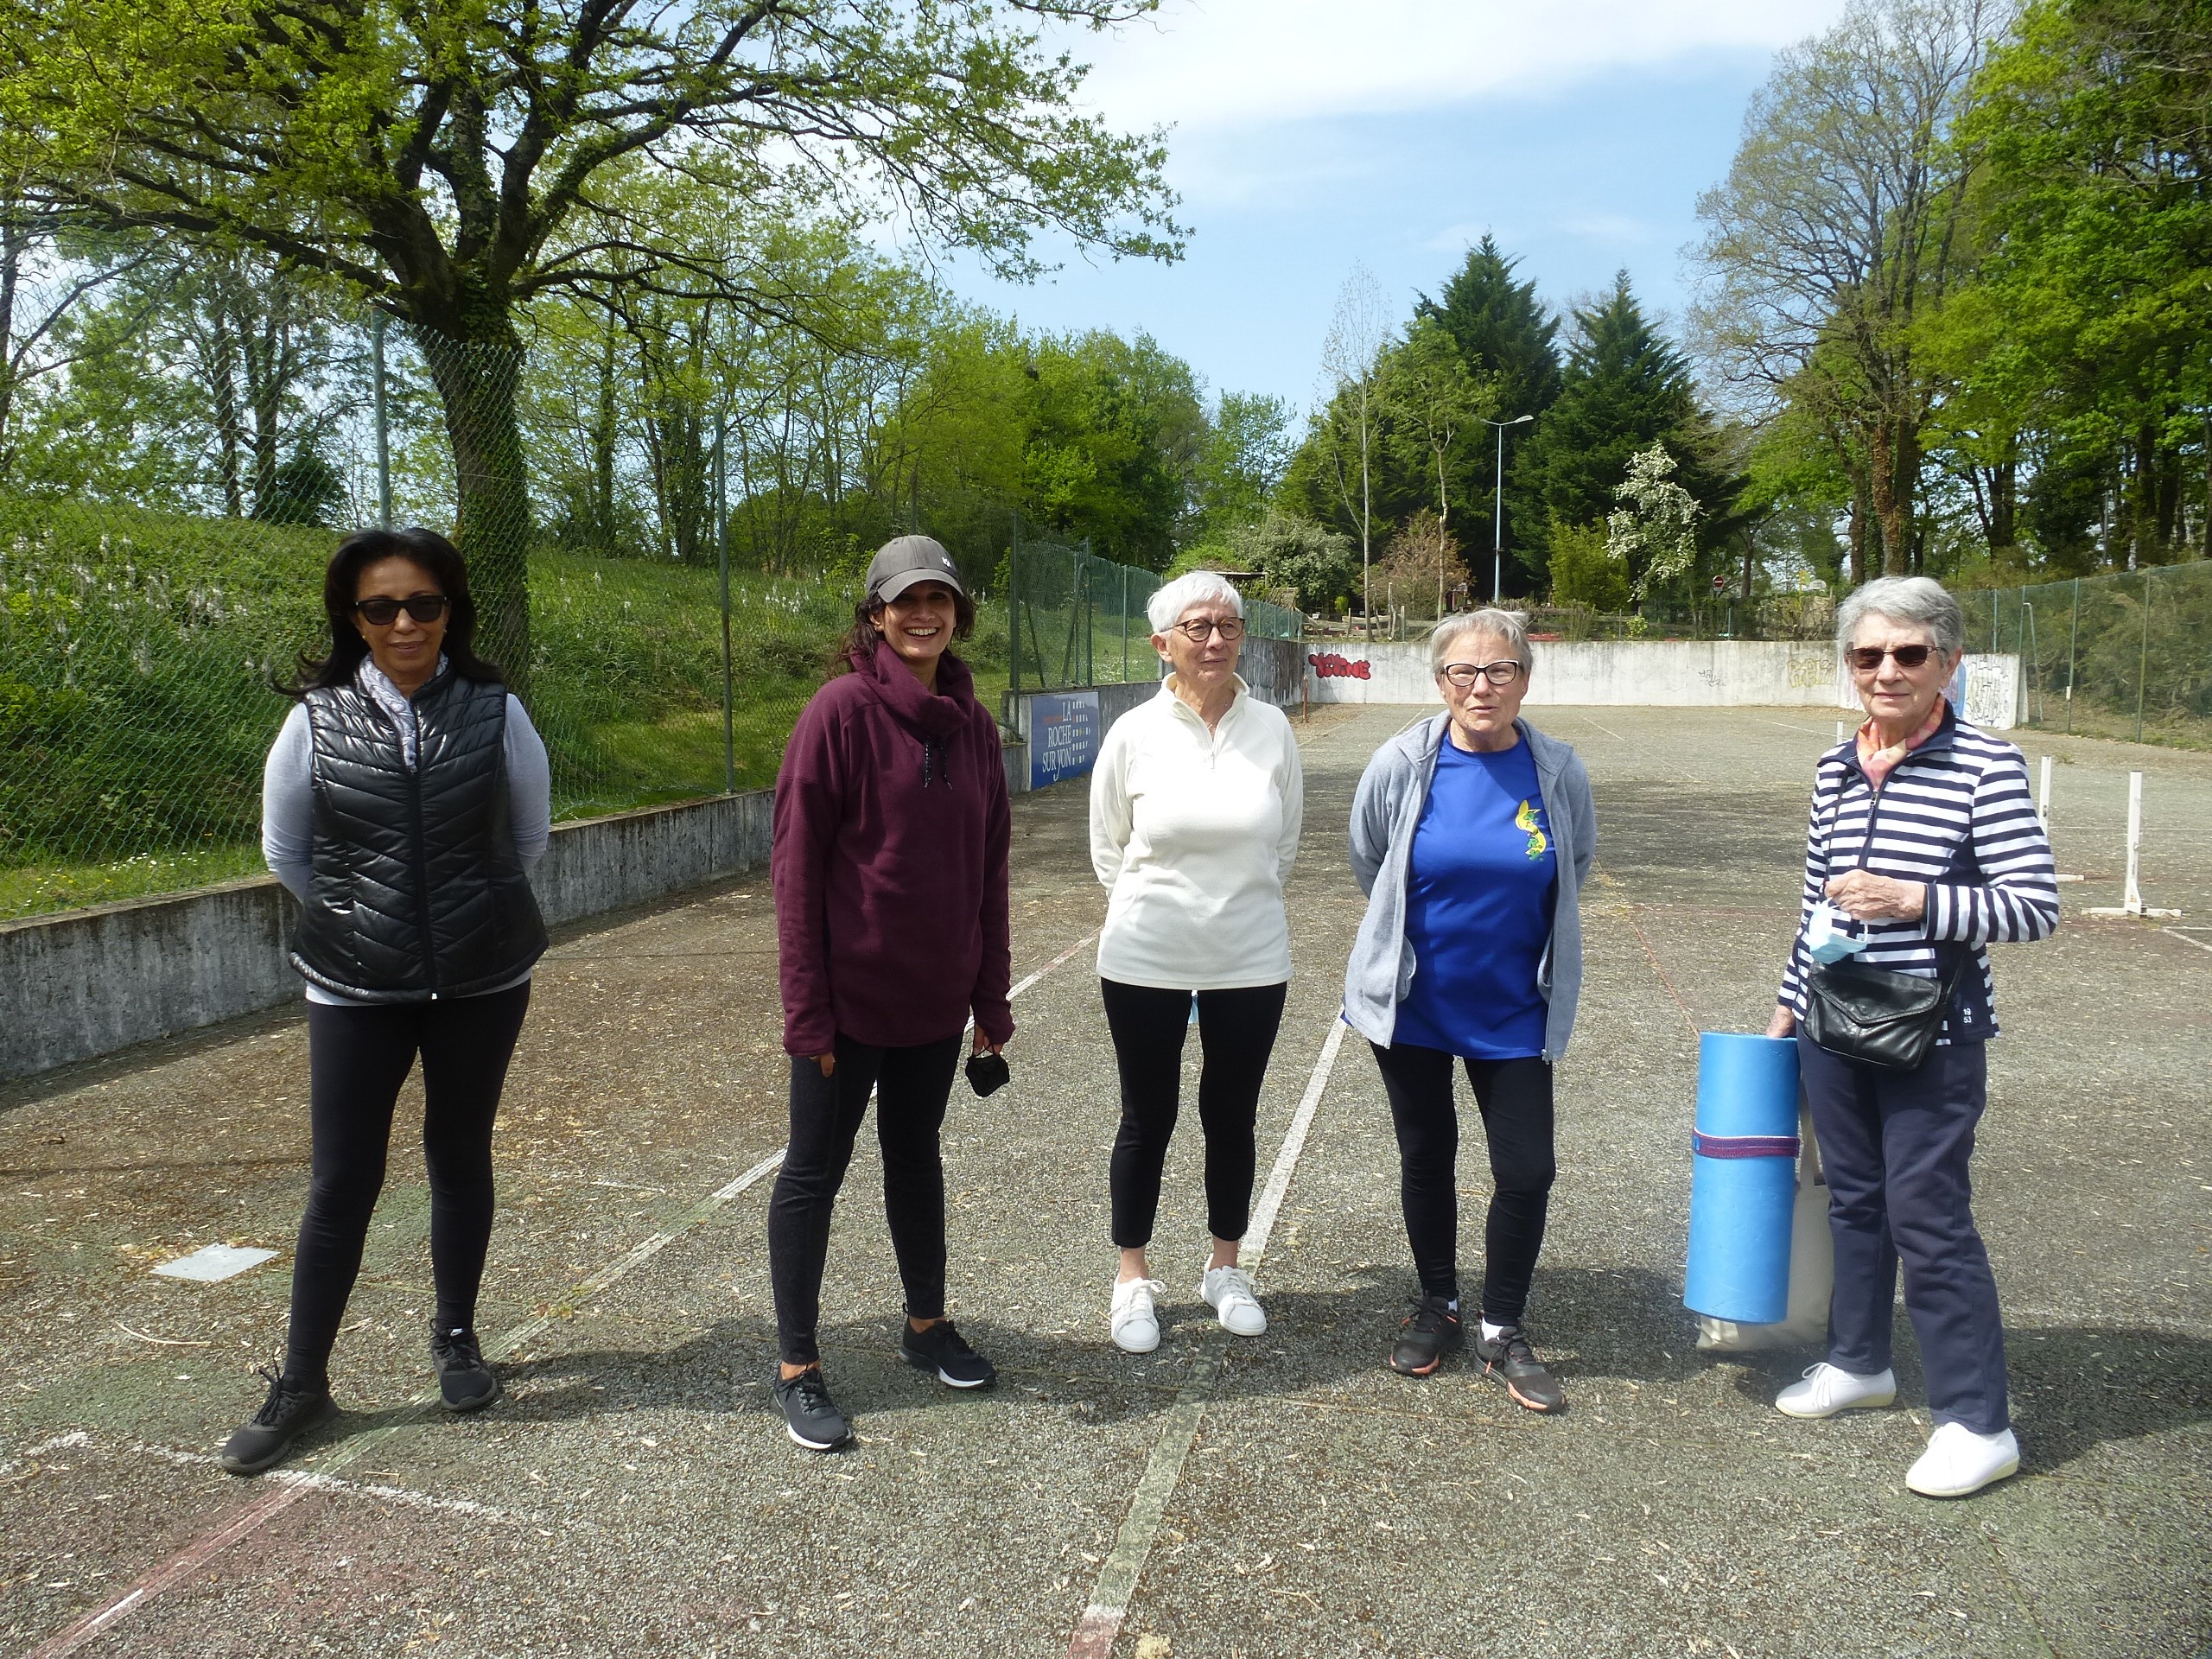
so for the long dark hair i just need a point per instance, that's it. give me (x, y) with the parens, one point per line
(860, 639)
(341, 580)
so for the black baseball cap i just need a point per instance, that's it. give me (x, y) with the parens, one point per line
(906, 560)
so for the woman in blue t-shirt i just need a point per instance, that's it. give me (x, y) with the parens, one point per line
(1472, 835)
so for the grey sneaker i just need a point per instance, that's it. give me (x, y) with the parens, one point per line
(1514, 1362)
(466, 1382)
(811, 1416)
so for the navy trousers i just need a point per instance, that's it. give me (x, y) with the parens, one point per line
(1895, 1145)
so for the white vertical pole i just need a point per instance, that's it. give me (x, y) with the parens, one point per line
(2133, 901)
(2042, 794)
(1839, 732)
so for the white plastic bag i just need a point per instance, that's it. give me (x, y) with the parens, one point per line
(1812, 1268)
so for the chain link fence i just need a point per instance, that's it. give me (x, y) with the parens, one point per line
(161, 554)
(2127, 655)
(1077, 620)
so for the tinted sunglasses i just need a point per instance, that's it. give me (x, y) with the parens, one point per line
(383, 613)
(1866, 659)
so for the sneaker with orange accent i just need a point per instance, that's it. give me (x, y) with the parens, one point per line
(1430, 1331)
(1509, 1357)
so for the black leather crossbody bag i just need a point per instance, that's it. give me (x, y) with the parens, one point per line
(1878, 1016)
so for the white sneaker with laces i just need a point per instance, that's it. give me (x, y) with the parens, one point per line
(1828, 1389)
(1958, 1461)
(1228, 1291)
(1136, 1325)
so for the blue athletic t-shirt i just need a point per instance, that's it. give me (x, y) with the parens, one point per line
(1479, 891)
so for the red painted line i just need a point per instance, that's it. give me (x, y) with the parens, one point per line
(272, 1502)
(1095, 1633)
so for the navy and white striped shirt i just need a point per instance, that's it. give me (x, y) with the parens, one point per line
(1955, 814)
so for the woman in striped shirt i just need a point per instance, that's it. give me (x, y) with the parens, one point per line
(1924, 835)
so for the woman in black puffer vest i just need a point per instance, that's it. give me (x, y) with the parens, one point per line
(404, 804)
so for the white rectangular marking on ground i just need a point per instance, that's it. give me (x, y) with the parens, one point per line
(215, 1263)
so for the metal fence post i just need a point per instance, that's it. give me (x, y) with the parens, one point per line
(722, 558)
(1125, 624)
(377, 323)
(1013, 623)
(2143, 657)
(2073, 643)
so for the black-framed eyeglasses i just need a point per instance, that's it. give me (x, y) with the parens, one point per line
(1867, 658)
(382, 612)
(1504, 671)
(1197, 630)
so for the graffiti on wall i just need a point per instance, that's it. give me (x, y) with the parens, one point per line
(1330, 666)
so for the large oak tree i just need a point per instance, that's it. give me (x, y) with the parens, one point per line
(452, 160)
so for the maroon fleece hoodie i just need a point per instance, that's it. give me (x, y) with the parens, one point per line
(890, 862)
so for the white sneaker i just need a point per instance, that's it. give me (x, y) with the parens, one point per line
(1228, 1291)
(1958, 1461)
(1826, 1390)
(1137, 1326)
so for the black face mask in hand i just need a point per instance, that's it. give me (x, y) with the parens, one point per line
(987, 1072)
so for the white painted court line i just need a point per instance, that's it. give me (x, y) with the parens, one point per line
(1094, 1634)
(274, 1498)
(2185, 939)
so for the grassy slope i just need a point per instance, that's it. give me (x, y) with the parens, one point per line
(136, 650)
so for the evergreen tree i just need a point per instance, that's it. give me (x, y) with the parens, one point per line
(1508, 340)
(1624, 388)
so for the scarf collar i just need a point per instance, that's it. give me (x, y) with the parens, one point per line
(396, 703)
(1878, 763)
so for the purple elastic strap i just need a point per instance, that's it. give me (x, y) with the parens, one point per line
(1743, 1146)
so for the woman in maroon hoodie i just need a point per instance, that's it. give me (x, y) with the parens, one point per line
(890, 870)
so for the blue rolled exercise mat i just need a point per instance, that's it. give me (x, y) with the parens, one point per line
(1743, 1178)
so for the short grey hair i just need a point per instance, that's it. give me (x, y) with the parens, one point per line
(1167, 607)
(1916, 599)
(1496, 624)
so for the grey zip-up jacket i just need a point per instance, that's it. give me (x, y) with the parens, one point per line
(1384, 815)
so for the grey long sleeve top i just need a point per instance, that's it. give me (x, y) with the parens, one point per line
(287, 804)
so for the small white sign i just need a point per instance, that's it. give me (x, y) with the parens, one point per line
(215, 1263)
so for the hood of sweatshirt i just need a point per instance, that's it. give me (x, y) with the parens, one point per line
(934, 715)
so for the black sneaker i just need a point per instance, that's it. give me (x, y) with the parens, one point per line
(465, 1381)
(1430, 1331)
(943, 1350)
(287, 1413)
(1514, 1362)
(811, 1416)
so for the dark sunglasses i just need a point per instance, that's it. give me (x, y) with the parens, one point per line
(383, 613)
(1866, 659)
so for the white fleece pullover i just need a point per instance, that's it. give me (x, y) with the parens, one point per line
(1192, 834)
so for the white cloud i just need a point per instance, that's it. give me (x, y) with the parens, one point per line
(1217, 65)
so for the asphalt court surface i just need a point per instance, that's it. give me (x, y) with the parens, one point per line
(1288, 1495)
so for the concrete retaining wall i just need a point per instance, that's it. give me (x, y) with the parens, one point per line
(1653, 674)
(89, 981)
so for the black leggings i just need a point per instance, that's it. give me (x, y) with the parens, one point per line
(1514, 1097)
(357, 1058)
(1236, 1034)
(911, 1087)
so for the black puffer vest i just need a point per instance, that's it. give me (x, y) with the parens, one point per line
(416, 891)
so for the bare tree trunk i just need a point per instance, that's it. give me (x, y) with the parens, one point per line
(1890, 509)
(15, 242)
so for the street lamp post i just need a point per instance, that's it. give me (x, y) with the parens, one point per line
(1498, 512)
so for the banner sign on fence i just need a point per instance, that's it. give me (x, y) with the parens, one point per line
(1063, 736)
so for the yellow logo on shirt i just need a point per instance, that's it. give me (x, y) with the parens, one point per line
(1530, 821)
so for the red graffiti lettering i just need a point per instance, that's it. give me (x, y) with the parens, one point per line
(1330, 666)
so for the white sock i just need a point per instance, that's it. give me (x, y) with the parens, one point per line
(1492, 1332)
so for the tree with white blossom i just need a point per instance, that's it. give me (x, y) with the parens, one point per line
(1654, 529)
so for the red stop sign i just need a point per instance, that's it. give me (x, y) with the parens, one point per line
(1720, 584)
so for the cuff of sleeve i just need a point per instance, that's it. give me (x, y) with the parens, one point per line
(804, 1042)
(996, 1023)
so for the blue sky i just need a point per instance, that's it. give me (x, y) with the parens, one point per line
(1578, 132)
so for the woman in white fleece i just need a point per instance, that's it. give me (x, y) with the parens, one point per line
(1195, 806)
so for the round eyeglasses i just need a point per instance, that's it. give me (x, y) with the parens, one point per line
(1504, 671)
(1198, 628)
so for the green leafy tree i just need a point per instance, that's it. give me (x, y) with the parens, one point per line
(1434, 405)
(1508, 340)
(446, 163)
(1585, 571)
(1653, 533)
